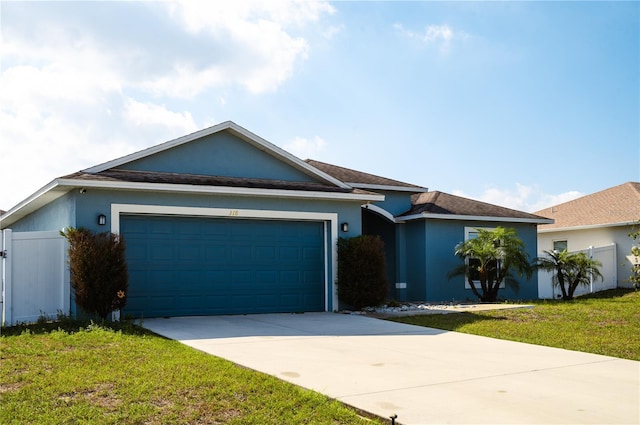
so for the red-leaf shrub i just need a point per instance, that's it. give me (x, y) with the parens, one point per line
(98, 267)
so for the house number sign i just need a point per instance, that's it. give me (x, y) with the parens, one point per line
(233, 213)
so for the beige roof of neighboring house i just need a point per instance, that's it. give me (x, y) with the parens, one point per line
(616, 205)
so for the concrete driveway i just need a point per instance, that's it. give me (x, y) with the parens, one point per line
(425, 376)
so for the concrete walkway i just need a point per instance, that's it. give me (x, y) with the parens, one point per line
(424, 375)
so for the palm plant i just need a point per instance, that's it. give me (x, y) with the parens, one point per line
(490, 259)
(570, 269)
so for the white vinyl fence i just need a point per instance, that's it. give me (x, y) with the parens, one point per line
(605, 254)
(35, 276)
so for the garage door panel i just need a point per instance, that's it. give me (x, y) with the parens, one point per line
(159, 228)
(266, 253)
(290, 276)
(268, 299)
(240, 253)
(216, 277)
(311, 253)
(311, 276)
(215, 253)
(161, 253)
(190, 252)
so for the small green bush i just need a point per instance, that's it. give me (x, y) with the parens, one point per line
(362, 278)
(99, 276)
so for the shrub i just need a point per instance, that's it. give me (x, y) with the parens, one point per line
(362, 278)
(99, 276)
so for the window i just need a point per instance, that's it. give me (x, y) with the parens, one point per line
(560, 245)
(472, 233)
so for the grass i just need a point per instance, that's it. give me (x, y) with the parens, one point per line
(73, 372)
(605, 323)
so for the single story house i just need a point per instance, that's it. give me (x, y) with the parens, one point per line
(594, 222)
(222, 221)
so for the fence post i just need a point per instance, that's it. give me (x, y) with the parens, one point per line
(614, 269)
(591, 275)
(2, 255)
(6, 318)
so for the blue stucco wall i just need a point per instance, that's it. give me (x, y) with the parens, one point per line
(220, 154)
(53, 216)
(415, 260)
(395, 202)
(431, 282)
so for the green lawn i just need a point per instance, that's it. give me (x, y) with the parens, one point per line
(98, 375)
(603, 323)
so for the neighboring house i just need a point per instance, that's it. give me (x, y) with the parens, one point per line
(594, 222)
(223, 222)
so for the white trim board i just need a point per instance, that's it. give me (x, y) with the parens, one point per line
(229, 213)
(474, 218)
(388, 187)
(585, 227)
(380, 211)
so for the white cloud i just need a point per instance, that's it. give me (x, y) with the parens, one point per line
(150, 114)
(306, 148)
(257, 37)
(439, 35)
(332, 31)
(522, 197)
(215, 16)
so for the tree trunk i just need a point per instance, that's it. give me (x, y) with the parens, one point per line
(573, 285)
(473, 288)
(561, 285)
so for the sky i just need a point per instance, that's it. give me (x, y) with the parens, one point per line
(520, 104)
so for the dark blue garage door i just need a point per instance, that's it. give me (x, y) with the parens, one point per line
(181, 266)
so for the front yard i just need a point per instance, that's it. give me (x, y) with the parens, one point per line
(69, 372)
(99, 375)
(606, 323)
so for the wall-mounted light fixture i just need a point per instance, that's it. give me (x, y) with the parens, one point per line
(344, 227)
(102, 219)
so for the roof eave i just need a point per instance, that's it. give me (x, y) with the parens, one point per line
(40, 198)
(586, 227)
(388, 187)
(222, 190)
(474, 218)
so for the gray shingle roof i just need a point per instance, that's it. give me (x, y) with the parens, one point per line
(441, 203)
(115, 175)
(354, 177)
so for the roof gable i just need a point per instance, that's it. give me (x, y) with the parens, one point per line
(618, 205)
(225, 150)
(442, 205)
